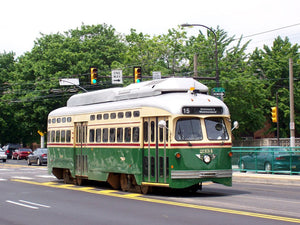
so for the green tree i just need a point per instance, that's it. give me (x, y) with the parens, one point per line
(35, 88)
(272, 66)
(7, 123)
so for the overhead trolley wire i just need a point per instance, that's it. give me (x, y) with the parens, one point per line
(268, 31)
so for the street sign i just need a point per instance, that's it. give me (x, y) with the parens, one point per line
(40, 133)
(218, 92)
(116, 77)
(156, 75)
(69, 81)
(218, 89)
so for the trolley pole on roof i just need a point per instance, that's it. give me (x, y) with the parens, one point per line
(216, 48)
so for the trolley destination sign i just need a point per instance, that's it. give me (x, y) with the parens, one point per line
(202, 110)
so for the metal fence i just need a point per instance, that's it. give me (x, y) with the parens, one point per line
(281, 160)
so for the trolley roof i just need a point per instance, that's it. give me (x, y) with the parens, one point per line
(170, 94)
(137, 90)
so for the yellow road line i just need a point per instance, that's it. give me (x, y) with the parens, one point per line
(13, 165)
(140, 197)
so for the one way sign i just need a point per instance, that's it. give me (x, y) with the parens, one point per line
(116, 77)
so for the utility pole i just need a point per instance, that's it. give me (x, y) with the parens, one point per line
(292, 120)
(195, 65)
(277, 115)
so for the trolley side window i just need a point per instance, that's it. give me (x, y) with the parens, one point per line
(188, 129)
(63, 136)
(92, 135)
(120, 135)
(98, 135)
(52, 136)
(68, 136)
(105, 135)
(146, 131)
(216, 129)
(112, 135)
(127, 134)
(152, 131)
(57, 136)
(136, 134)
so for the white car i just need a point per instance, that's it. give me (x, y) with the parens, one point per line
(3, 155)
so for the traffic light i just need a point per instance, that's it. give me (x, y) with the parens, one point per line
(274, 114)
(137, 74)
(94, 75)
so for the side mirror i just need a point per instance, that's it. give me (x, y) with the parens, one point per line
(162, 124)
(235, 125)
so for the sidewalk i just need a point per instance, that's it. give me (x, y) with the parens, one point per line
(261, 178)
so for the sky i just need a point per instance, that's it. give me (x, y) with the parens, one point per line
(23, 21)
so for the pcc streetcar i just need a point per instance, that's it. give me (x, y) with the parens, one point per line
(166, 133)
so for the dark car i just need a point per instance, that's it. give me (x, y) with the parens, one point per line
(10, 148)
(21, 153)
(271, 159)
(39, 156)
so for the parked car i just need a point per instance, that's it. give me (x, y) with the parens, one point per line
(21, 153)
(3, 155)
(271, 159)
(39, 156)
(10, 148)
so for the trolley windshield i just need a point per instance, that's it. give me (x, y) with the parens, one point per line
(189, 129)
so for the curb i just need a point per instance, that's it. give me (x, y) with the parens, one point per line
(269, 179)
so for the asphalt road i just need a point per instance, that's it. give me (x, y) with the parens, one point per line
(30, 196)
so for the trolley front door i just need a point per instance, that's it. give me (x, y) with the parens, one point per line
(81, 166)
(155, 162)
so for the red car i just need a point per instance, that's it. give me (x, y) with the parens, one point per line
(21, 153)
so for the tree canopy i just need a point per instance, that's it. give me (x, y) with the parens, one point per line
(29, 84)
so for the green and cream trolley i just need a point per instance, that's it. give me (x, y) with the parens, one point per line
(167, 133)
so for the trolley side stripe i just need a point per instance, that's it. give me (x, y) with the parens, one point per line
(138, 144)
(95, 145)
(201, 144)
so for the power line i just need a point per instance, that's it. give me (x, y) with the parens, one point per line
(268, 31)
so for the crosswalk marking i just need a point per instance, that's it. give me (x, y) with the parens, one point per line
(21, 204)
(22, 178)
(46, 176)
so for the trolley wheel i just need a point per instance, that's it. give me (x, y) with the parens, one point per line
(67, 177)
(114, 180)
(124, 182)
(79, 181)
(144, 189)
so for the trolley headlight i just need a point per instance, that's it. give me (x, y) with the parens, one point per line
(206, 159)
